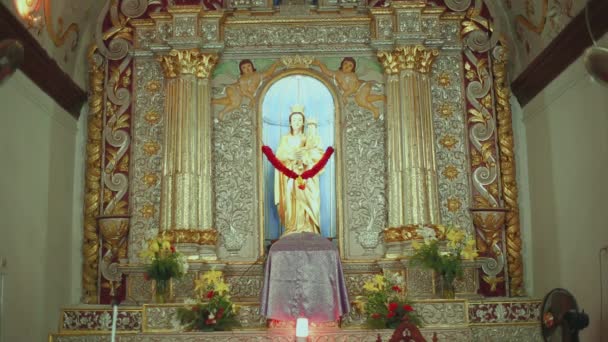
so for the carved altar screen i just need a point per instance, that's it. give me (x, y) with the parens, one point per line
(276, 106)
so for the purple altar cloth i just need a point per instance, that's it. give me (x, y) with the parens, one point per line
(304, 278)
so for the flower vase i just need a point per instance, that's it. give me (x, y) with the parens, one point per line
(445, 287)
(162, 291)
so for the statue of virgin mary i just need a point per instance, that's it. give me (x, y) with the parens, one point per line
(299, 207)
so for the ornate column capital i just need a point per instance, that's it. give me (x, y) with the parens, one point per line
(411, 57)
(187, 62)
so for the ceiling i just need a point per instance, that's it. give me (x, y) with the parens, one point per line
(63, 28)
(534, 24)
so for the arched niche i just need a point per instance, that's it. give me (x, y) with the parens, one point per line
(306, 88)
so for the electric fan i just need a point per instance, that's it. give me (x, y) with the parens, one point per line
(560, 319)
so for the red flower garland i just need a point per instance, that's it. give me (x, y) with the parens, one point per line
(313, 171)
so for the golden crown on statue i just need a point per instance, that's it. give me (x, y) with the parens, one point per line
(297, 108)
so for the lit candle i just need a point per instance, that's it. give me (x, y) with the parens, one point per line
(302, 329)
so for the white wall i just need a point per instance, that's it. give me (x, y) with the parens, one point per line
(37, 158)
(566, 129)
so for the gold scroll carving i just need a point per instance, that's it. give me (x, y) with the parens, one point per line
(507, 174)
(199, 237)
(412, 173)
(92, 190)
(186, 186)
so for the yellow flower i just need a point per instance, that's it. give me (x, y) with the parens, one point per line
(469, 252)
(416, 245)
(379, 279)
(235, 308)
(441, 228)
(153, 246)
(221, 287)
(455, 236)
(146, 254)
(370, 286)
(200, 285)
(166, 245)
(359, 304)
(212, 276)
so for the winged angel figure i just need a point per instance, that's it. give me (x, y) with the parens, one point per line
(242, 90)
(352, 85)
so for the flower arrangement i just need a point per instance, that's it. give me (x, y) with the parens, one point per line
(447, 263)
(385, 303)
(164, 263)
(214, 310)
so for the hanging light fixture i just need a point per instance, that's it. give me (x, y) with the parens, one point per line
(28, 10)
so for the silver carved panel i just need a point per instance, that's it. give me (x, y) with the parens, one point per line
(234, 159)
(139, 290)
(82, 338)
(385, 27)
(184, 287)
(419, 282)
(146, 155)
(452, 335)
(442, 313)
(161, 318)
(355, 282)
(266, 35)
(185, 27)
(209, 31)
(409, 22)
(451, 141)
(246, 286)
(164, 31)
(506, 333)
(249, 317)
(144, 37)
(364, 188)
(468, 283)
(430, 26)
(450, 31)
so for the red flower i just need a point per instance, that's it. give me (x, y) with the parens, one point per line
(375, 315)
(396, 288)
(408, 308)
(210, 321)
(172, 249)
(220, 313)
(390, 314)
(146, 276)
(392, 306)
(210, 294)
(302, 186)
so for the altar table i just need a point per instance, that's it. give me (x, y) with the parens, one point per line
(303, 278)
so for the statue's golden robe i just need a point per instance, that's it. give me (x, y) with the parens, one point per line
(299, 209)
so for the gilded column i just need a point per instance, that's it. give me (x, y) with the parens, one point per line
(186, 210)
(412, 173)
(507, 174)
